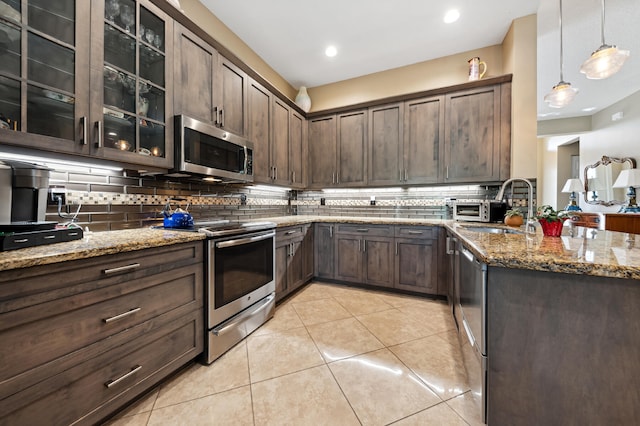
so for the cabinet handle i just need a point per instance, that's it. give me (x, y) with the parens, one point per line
(446, 172)
(397, 248)
(330, 231)
(114, 382)
(121, 269)
(214, 115)
(99, 130)
(362, 229)
(293, 176)
(221, 117)
(406, 175)
(122, 315)
(400, 178)
(359, 245)
(22, 240)
(364, 246)
(416, 232)
(337, 177)
(290, 232)
(50, 237)
(448, 249)
(333, 177)
(275, 171)
(85, 131)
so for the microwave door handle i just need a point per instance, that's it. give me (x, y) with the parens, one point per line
(246, 160)
(243, 241)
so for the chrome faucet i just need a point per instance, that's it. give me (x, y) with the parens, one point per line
(531, 224)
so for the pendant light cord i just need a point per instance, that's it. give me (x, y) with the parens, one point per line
(602, 26)
(561, 56)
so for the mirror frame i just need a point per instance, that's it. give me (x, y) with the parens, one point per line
(604, 161)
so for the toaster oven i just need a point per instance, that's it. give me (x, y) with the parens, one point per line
(479, 211)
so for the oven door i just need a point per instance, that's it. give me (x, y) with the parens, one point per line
(469, 212)
(241, 271)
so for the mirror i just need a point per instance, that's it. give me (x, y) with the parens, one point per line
(599, 179)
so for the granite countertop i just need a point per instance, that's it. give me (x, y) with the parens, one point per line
(94, 244)
(587, 251)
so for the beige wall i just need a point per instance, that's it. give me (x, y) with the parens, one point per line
(441, 72)
(519, 52)
(202, 17)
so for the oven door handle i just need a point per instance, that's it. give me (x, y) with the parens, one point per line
(231, 324)
(242, 241)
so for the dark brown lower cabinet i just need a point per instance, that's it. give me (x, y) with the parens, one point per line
(324, 251)
(562, 349)
(416, 265)
(364, 254)
(83, 338)
(294, 258)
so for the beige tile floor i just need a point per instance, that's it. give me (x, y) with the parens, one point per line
(332, 355)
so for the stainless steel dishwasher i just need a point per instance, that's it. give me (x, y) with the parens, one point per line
(471, 314)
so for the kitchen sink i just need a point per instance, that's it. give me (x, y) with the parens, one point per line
(491, 230)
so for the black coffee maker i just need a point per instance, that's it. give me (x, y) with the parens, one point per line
(23, 193)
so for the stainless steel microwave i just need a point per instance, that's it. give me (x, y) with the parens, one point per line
(206, 150)
(479, 211)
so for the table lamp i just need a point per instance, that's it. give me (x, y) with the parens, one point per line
(573, 186)
(629, 178)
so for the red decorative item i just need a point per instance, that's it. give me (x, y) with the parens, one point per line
(552, 229)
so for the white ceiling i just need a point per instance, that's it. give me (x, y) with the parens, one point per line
(372, 36)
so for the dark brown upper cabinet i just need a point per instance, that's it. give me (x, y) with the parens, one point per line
(209, 86)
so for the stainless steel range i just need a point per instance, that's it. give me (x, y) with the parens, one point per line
(240, 281)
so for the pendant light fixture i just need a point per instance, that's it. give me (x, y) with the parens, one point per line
(605, 61)
(562, 93)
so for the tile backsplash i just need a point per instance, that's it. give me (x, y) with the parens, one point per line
(111, 200)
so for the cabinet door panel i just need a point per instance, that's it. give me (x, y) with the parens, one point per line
(324, 251)
(280, 143)
(259, 132)
(424, 140)
(348, 258)
(232, 97)
(282, 263)
(322, 151)
(296, 150)
(352, 148)
(196, 64)
(385, 144)
(378, 261)
(417, 265)
(473, 135)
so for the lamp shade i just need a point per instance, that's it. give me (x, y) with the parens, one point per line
(573, 185)
(627, 178)
(561, 95)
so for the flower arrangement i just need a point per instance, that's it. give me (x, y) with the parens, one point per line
(551, 220)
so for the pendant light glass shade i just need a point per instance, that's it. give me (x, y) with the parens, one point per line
(605, 61)
(562, 93)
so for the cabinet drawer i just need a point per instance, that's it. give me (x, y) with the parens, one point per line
(421, 232)
(291, 233)
(364, 229)
(94, 389)
(34, 286)
(77, 323)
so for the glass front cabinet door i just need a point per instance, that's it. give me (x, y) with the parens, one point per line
(44, 78)
(130, 82)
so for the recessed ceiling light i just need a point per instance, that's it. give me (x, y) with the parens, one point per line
(331, 51)
(451, 16)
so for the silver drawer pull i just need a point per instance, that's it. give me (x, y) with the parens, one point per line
(24, 240)
(416, 232)
(121, 269)
(290, 232)
(362, 229)
(114, 382)
(50, 237)
(122, 315)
